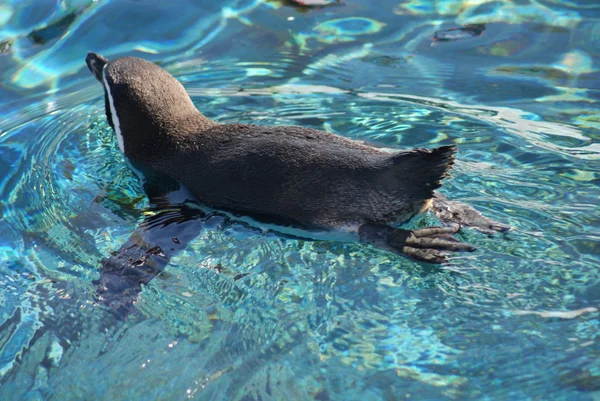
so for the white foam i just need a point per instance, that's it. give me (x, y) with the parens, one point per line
(113, 112)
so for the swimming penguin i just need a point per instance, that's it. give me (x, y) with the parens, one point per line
(289, 175)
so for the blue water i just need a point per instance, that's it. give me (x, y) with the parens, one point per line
(242, 314)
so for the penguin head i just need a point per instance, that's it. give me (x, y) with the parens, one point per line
(145, 105)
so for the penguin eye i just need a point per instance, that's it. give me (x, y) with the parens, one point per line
(107, 108)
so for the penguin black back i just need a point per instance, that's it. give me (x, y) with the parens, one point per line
(312, 178)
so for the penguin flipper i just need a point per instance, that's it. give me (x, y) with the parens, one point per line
(458, 213)
(145, 254)
(430, 244)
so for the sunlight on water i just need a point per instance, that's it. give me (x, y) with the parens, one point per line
(245, 314)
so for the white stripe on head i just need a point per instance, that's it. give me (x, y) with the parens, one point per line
(113, 112)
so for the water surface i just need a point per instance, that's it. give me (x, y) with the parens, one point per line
(243, 314)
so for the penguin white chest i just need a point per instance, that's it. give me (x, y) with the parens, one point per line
(113, 112)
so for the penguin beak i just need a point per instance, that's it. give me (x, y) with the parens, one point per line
(96, 63)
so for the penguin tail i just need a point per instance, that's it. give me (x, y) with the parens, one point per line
(419, 172)
(415, 175)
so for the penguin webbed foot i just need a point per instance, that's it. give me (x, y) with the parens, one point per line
(431, 244)
(463, 215)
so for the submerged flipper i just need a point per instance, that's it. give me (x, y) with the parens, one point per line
(458, 213)
(144, 256)
(430, 244)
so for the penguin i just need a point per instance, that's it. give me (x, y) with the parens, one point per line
(290, 176)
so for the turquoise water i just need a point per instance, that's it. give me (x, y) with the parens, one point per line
(242, 314)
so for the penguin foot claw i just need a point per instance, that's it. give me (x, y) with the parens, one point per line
(433, 243)
(425, 255)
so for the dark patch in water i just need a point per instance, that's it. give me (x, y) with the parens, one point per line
(55, 29)
(303, 5)
(454, 34)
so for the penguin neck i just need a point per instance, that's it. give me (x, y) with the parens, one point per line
(157, 139)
